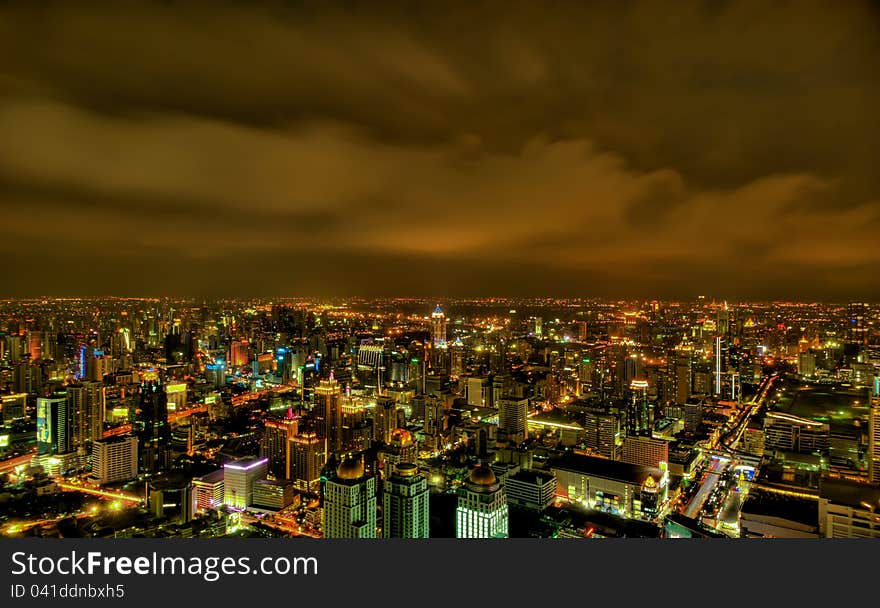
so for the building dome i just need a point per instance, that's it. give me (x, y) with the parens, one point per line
(351, 469)
(407, 469)
(482, 476)
(401, 436)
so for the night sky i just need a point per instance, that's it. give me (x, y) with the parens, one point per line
(620, 149)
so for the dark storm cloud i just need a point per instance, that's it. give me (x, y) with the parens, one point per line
(617, 148)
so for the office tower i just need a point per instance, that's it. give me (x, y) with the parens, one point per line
(644, 451)
(207, 491)
(350, 502)
(438, 328)
(857, 328)
(328, 396)
(532, 490)
(639, 419)
(693, 415)
(370, 355)
(14, 348)
(86, 403)
(12, 407)
(384, 419)
(238, 481)
(307, 458)
(35, 345)
(456, 358)
(806, 364)
(874, 442)
(482, 506)
(175, 393)
(683, 377)
(718, 365)
(115, 459)
(405, 503)
(512, 419)
(152, 429)
(238, 353)
(275, 444)
(275, 494)
(602, 434)
(54, 425)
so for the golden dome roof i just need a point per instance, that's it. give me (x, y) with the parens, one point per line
(482, 476)
(407, 469)
(351, 469)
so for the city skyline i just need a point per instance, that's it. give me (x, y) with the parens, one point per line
(464, 149)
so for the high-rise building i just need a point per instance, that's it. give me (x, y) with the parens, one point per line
(86, 403)
(238, 481)
(874, 442)
(806, 364)
(405, 503)
(482, 506)
(54, 425)
(513, 418)
(438, 328)
(152, 429)
(602, 434)
(275, 444)
(207, 491)
(13, 407)
(530, 489)
(307, 457)
(238, 353)
(693, 415)
(683, 374)
(857, 328)
(115, 459)
(350, 502)
(644, 451)
(384, 419)
(328, 395)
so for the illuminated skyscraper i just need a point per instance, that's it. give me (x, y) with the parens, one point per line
(857, 327)
(54, 425)
(482, 507)
(512, 418)
(238, 353)
(874, 442)
(350, 502)
(115, 459)
(307, 457)
(152, 429)
(683, 374)
(328, 395)
(438, 328)
(275, 445)
(239, 478)
(405, 504)
(384, 419)
(86, 403)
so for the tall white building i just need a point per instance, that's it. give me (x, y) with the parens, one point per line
(115, 459)
(482, 507)
(350, 502)
(406, 503)
(239, 478)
